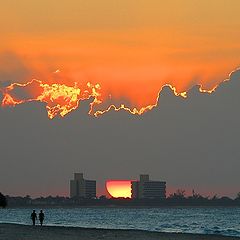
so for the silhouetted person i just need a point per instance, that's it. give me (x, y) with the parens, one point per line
(41, 217)
(33, 217)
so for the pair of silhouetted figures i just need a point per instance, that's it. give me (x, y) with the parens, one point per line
(40, 217)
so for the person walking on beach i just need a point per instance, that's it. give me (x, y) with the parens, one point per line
(41, 217)
(33, 217)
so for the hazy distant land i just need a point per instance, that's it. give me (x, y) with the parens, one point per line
(23, 232)
(172, 201)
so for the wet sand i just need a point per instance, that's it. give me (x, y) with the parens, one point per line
(23, 232)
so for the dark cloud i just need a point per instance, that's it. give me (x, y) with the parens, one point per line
(190, 143)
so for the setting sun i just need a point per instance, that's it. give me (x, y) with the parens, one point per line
(119, 188)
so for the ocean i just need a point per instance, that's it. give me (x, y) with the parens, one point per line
(203, 220)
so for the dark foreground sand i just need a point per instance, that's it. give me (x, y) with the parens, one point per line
(22, 232)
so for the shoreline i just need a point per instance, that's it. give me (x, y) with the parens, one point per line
(11, 231)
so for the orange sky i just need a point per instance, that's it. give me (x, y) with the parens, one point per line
(130, 47)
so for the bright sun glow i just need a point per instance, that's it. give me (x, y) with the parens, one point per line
(119, 188)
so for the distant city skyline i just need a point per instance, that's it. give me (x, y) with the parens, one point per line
(80, 187)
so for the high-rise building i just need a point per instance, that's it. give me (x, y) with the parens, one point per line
(145, 188)
(80, 187)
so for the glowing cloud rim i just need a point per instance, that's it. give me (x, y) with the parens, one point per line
(61, 99)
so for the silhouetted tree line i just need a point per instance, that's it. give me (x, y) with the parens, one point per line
(178, 198)
(3, 200)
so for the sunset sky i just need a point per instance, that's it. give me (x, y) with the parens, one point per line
(119, 52)
(130, 47)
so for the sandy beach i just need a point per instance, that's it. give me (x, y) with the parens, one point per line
(23, 232)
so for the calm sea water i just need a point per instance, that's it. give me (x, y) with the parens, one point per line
(223, 221)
